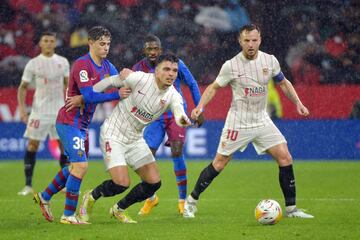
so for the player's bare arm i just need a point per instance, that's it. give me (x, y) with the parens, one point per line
(21, 101)
(208, 94)
(290, 93)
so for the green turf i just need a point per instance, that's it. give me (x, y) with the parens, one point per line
(329, 190)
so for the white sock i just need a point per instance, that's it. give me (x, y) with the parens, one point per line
(290, 208)
(191, 199)
(152, 198)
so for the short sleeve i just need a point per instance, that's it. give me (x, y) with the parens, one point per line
(276, 66)
(277, 74)
(224, 76)
(28, 73)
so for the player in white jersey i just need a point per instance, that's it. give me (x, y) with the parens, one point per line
(121, 136)
(49, 73)
(248, 74)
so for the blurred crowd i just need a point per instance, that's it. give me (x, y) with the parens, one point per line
(316, 42)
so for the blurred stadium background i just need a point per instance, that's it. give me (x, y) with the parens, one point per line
(316, 42)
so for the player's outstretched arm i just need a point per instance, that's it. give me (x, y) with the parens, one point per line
(113, 81)
(208, 94)
(116, 81)
(290, 93)
(109, 82)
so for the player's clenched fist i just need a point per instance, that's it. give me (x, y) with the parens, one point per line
(196, 113)
(200, 120)
(185, 121)
(302, 110)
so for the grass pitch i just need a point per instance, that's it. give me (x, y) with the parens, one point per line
(329, 190)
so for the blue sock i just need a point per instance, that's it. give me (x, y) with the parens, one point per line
(72, 195)
(57, 184)
(181, 177)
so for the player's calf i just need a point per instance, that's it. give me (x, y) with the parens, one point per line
(139, 193)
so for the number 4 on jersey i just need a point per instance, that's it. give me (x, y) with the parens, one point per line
(107, 147)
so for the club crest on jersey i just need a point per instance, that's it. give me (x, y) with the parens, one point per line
(255, 91)
(83, 76)
(80, 153)
(162, 103)
(142, 114)
(265, 71)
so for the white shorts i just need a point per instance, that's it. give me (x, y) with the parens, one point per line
(39, 128)
(116, 153)
(261, 138)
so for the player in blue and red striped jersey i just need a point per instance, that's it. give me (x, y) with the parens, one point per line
(154, 133)
(72, 125)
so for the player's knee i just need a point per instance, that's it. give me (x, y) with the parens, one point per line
(122, 181)
(285, 160)
(220, 162)
(176, 153)
(176, 149)
(151, 188)
(33, 146)
(79, 169)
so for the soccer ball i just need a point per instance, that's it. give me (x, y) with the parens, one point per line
(268, 212)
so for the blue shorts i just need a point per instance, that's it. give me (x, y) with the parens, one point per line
(154, 133)
(74, 141)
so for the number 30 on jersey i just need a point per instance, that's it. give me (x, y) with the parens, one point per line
(79, 143)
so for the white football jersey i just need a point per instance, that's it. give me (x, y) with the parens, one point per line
(48, 75)
(145, 104)
(249, 83)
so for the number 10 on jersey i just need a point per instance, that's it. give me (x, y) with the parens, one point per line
(232, 134)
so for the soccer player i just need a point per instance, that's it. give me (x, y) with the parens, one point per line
(50, 74)
(248, 74)
(121, 136)
(154, 133)
(72, 124)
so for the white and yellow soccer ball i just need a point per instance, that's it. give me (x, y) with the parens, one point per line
(268, 212)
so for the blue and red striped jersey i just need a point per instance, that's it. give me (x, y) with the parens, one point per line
(85, 73)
